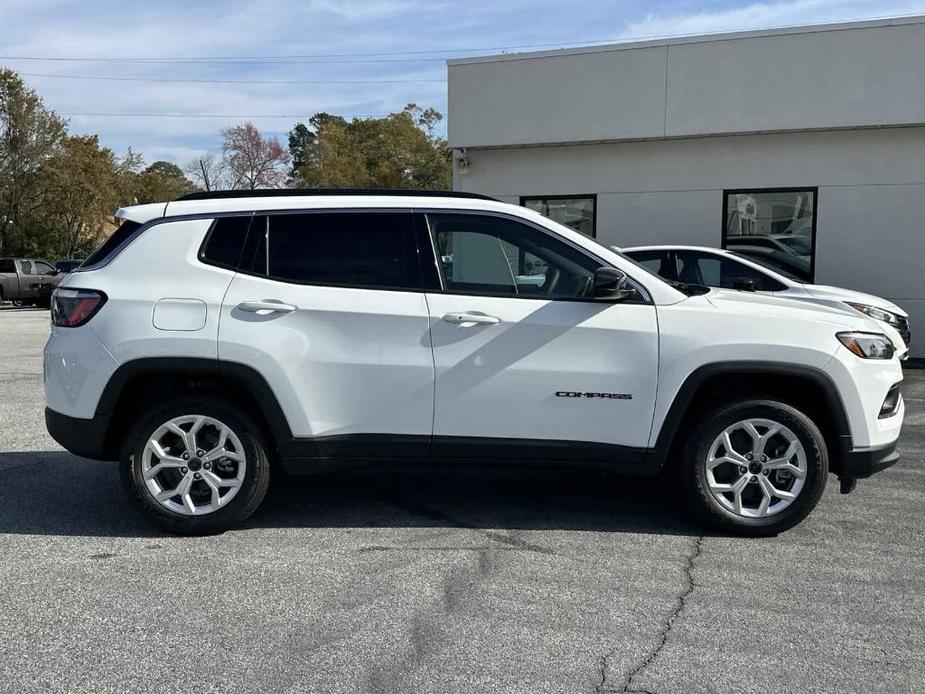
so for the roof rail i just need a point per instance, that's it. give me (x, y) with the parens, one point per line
(278, 192)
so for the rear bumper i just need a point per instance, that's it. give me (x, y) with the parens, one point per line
(860, 463)
(83, 437)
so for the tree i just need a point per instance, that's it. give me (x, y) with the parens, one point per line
(83, 185)
(29, 135)
(160, 182)
(207, 172)
(301, 140)
(334, 159)
(251, 160)
(400, 150)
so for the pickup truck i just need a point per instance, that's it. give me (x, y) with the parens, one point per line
(27, 281)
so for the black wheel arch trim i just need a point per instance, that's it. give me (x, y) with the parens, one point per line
(248, 377)
(696, 379)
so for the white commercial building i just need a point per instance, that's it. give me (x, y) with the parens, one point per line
(806, 144)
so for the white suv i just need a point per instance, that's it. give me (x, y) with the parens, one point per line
(714, 267)
(216, 336)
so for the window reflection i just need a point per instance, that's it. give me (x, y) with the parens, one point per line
(576, 212)
(774, 227)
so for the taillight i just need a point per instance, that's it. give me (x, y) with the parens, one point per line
(71, 308)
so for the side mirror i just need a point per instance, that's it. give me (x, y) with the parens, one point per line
(610, 285)
(745, 285)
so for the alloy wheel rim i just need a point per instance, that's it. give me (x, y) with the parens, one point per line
(193, 465)
(756, 468)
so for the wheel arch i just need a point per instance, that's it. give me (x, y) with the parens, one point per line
(161, 377)
(807, 388)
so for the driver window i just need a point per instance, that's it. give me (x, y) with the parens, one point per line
(43, 268)
(496, 256)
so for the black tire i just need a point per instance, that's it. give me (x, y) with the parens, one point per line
(253, 487)
(710, 511)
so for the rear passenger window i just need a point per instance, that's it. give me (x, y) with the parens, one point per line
(225, 242)
(362, 249)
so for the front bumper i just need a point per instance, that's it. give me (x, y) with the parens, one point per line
(83, 437)
(860, 463)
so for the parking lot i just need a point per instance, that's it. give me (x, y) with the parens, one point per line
(420, 580)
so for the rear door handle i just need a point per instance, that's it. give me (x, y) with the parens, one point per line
(473, 318)
(266, 306)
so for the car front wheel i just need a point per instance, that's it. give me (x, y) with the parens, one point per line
(195, 466)
(755, 468)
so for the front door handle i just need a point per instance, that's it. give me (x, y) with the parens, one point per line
(266, 306)
(470, 319)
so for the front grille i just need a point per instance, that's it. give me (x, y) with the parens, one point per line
(903, 329)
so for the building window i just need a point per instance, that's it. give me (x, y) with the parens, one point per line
(578, 212)
(774, 227)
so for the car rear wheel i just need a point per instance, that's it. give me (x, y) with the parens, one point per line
(195, 466)
(755, 468)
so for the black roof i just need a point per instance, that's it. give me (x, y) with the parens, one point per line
(275, 192)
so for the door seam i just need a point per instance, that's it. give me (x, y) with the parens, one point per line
(433, 360)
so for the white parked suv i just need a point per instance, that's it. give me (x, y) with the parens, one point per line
(217, 336)
(727, 269)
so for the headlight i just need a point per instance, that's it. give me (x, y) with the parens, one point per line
(868, 345)
(876, 313)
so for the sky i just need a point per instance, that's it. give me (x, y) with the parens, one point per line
(276, 62)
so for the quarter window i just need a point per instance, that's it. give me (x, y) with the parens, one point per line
(495, 256)
(776, 227)
(109, 247)
(575, 211)
(362, 249)
(225, 241)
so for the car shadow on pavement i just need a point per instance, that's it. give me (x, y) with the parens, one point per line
(56, 493)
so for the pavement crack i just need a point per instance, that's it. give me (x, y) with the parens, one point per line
(662, 640)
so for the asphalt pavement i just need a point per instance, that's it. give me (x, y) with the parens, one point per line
(466, 580)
